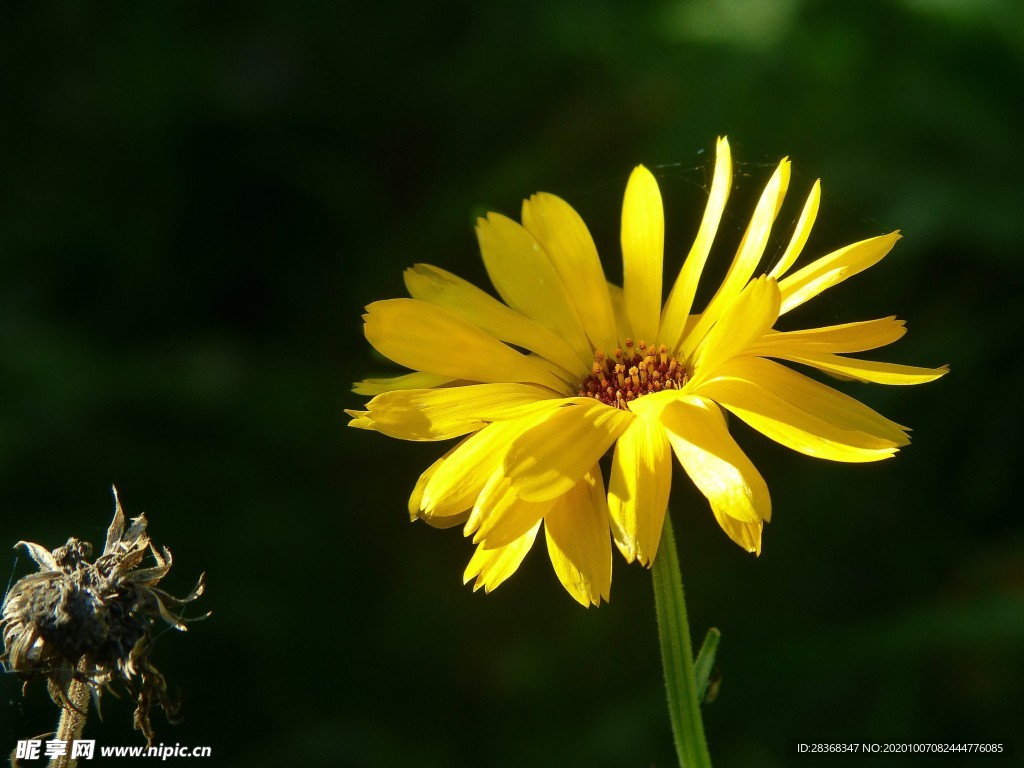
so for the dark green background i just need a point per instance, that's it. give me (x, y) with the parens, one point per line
(196, 201)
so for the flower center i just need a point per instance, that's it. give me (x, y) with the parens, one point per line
(632, 373)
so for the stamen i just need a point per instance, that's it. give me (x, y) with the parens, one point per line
(634, 372)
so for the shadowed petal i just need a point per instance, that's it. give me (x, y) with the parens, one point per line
(456, 484)
(579, 546)
(638, 493)
(550, 458)
(492, 566)
(415, 380)
(717, 466)
(499, 516)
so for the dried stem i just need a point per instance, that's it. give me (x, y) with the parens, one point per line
(72, 716)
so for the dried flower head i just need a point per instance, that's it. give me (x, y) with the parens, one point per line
(76, 621)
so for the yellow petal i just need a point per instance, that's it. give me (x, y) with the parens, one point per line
(803, 414)
(456, 484)
(680, 300)
(747, 535)
(499, 516)
(849, 260)
(618, 298)
(438, 286)
(651, 406)
(551, 457)
(441, 414)
(752, 246)
(447, 517)
(638, 492)
(567, 241)
(428, 338)
(527, 281)
(415, 380)
(360, 420)
(643, 250)
(813, 287)
(749, 317)
(715, 464)
(492, 566)
(801, 233)
(578, 543)
(848, 337)
(866, 370)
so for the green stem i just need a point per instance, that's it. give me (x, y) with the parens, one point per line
(677, 654)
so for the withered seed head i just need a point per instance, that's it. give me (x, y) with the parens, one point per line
(92, 621)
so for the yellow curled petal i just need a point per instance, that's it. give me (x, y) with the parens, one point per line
(848, 337)
(748, 256)
(525, 278)
(841, 264)
(715, 464)
(801, 233)
(550, 458)
(579, 546)
(680, 300)
(866, 370)
(643, 251)
(638, 492)
(567, 241)
(492, 566)
(431, 339)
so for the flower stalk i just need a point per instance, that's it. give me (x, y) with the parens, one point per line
(677, 655)
(73, 714)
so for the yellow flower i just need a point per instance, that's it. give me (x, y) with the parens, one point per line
(541, 386)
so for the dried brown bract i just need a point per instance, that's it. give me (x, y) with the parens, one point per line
(78, 622)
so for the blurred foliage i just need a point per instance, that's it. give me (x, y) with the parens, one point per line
(196, 200)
